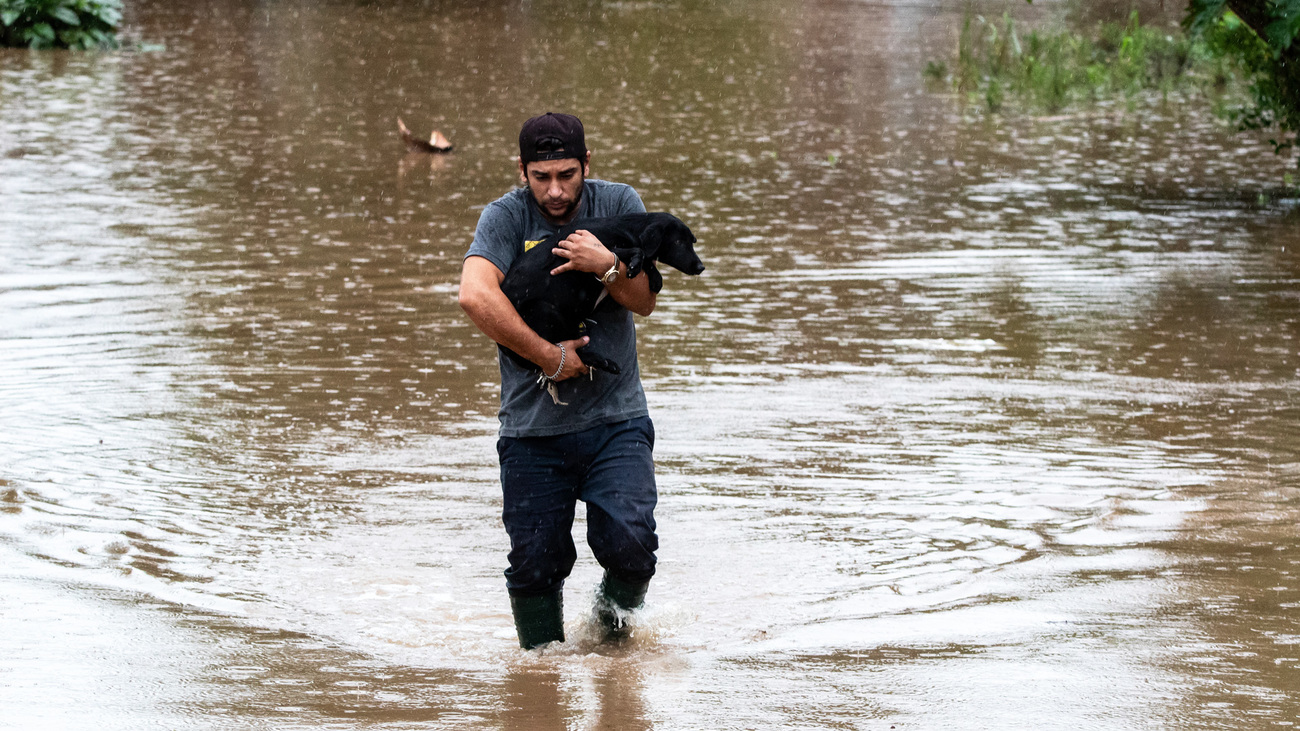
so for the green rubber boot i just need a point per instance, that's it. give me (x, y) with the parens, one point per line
(614, 600)
(538, 619)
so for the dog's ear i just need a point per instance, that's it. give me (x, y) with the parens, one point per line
(673, 243)
(651, 238)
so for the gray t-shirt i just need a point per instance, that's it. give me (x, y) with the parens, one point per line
(508, 227)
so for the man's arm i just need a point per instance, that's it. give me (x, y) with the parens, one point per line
(585, 253)
(489, 308)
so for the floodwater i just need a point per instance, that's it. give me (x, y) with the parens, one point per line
(971, 423)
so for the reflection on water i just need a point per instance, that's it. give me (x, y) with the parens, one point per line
(971, 423)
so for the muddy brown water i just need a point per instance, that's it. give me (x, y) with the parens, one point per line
(971, 423)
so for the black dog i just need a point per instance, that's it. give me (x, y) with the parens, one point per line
(557, 306)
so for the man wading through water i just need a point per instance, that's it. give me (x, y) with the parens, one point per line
(597, 448)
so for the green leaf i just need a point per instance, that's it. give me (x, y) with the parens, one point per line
(43, 31)
(1286, 9)
(34, 39)
(1201, 14)
(66, 14)
(1285, 26)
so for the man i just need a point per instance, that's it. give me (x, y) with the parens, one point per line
(594, 441)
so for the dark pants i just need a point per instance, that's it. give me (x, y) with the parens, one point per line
(609, 467)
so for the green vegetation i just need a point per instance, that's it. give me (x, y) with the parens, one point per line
(80, 24)
(1258, 37)
(1247, 46)
(1051, 70)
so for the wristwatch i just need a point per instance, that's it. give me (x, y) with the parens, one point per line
(609, 276)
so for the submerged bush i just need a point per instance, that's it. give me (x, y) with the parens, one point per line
(1242, 54)
(1049, 70)
(1270, 63)
(80, 24)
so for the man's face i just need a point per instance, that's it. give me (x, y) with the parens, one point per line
(557, 186)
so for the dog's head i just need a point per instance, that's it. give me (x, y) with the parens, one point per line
(670, 241)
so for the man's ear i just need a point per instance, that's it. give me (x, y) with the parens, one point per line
(523, 172)
(586, 166)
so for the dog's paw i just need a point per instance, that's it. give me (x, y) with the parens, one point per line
(634, 258)
(598, 362)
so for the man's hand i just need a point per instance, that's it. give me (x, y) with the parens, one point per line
(585, 253)
(482, 299)
(573, 365)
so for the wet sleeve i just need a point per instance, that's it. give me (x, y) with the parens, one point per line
(497, 236)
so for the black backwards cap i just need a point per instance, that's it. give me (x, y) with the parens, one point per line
(552, 136)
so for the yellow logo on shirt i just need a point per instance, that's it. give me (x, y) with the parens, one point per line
(530, 244)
